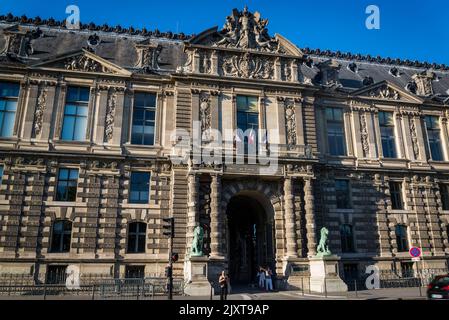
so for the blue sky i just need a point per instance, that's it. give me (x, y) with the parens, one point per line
(410, 29)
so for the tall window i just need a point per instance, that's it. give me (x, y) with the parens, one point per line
(9, 94)
(347, 238)
(1, 173)
(397, 202)
(434, 137)
(140, 188)
(74, 127)
(444, 192)
(335, 131)
(387, 132)
(402, 238)
(136, 237)
(61, 236)
(67, 185)
(144, 116)
(343, 194)
(248, 121)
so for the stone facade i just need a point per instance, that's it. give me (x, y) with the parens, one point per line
(200, 79)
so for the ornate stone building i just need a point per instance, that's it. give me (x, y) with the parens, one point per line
(86, 137)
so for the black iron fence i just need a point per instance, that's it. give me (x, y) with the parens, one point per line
(92, 287)
(394, 279)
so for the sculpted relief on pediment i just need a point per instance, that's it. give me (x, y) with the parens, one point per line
(243, 49)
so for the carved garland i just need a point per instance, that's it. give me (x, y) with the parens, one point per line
(290, 122)
(414, 136)
(40, 108)
(364, 134)
(110, 115)
(205, 116)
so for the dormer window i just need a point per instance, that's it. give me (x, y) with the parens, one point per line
(353, 67)
(423, 83)
(329, 72)
(394, 72)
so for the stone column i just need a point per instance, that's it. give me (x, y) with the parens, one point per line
(216, 217)
(192, 213)
(290, 230)
(310, 217)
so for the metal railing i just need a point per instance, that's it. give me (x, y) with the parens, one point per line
(396, 279)
(92, 287)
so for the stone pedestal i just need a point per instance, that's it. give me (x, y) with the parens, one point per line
(324, 275)
(195, 274)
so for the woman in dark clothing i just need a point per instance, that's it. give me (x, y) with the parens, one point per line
(224, 282)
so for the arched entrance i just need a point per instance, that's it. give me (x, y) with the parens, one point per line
(250, 236)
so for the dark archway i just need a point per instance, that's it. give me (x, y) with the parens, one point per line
(250, 238)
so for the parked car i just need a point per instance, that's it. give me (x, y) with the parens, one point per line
(438, 289)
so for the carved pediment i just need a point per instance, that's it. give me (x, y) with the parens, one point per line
(385, 90)
(244, 30)
(82, 61)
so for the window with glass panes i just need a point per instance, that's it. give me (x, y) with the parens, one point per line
(248, 120)
(347, 238)
(434, 137)
(67, 185)
(397, 203)
(74, 127)
(1, 174)
(335, 131)
(137, 232)
(386, 123)
(144, 115)
(9, 94)
(444, 193)
(139, 188)
(402, 238)
(343, 194)
(61, 236)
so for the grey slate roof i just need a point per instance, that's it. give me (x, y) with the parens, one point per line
(119, 48)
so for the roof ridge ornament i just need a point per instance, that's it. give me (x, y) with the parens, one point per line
(246, 30)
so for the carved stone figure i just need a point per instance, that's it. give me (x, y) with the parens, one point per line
(198, 242)
(323, 248)
(247, 31)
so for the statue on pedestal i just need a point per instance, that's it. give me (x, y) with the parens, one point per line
(323, 247)
(198, 243)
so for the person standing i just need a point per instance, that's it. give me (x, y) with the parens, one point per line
(224, 284)
(261, 278)
(269, 280)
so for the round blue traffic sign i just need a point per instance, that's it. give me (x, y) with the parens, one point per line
(415, 252)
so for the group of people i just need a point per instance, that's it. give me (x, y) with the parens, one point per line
(265, 278)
